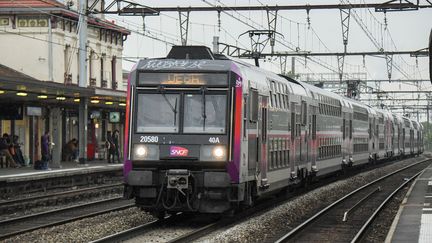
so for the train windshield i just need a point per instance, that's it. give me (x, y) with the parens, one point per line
(158, 113)
(204, 113)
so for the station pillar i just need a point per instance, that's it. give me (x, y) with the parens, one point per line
(56, 137)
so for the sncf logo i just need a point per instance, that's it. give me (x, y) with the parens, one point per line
(178, 151)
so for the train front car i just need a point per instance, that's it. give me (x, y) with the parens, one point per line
(182, 153)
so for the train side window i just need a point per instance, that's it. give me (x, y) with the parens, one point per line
(281, 103)
(277, 103)
(270, 155)
(304, 111)
(313, 127)
(350, 130)
(377, 130)
(343, 129)
(253, 105)
(271, 99)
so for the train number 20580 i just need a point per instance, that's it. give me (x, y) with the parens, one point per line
(149, 139)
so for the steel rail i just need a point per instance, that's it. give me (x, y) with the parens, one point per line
(12, 221)
(296, 230)
(138, 230)
(196, 234)
(358, 236)
(21, 200)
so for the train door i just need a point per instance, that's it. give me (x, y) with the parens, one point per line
(303, 138)
(371, 143)
(403, 140)
(399, 137)
(252, 131)
(344, 136)
(313, 131)
(295, 141)
(262, 139)
(391, 136)
(298, 133)
(350, 140)
(257, 136)
(411, 141)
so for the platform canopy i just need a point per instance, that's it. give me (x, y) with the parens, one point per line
(19, 87)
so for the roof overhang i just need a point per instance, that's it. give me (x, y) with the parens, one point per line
(36, 91)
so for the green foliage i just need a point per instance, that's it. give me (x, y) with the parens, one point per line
(427, 136)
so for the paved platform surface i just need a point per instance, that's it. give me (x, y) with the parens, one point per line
(67, 169)
(413, 222)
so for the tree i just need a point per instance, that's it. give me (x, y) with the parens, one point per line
(427, 133)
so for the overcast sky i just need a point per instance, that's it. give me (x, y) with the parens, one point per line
(409, 30)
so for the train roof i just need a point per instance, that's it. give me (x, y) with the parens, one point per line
(195, 58)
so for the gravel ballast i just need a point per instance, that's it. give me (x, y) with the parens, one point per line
(285, 217)
(256, 229)
(88, 229)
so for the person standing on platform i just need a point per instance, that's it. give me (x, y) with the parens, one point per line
(4, 149)
(45, 150)
(18, 156)
(70, 150)
(109, 144)
(115, 138)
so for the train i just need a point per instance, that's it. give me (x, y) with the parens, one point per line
(208, 134)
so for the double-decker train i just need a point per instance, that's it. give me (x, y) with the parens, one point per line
(205, 133)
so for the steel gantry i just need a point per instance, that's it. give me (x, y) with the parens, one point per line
(184, 26)
(345, 19)
(133, 8)
(125, 7)
(272, 20)
(416, 53)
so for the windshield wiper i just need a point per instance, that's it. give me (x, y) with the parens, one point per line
(203, 108)
(173, 108)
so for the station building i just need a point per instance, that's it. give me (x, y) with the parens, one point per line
(39, 75)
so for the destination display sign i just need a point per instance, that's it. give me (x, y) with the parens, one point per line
(183, 79)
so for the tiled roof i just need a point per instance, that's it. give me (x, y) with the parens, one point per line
(30, 3)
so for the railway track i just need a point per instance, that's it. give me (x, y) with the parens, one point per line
(20, 225)
(184, 227)
(190, 233)
(52, 199)
(141, 230)
(348, 218)
(57, 194)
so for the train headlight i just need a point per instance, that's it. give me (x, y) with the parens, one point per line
(146, 152)
(218, 152)
(213, 153)
(141, 151)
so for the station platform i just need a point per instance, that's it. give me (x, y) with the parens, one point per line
(70, 168)
(413, 222)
